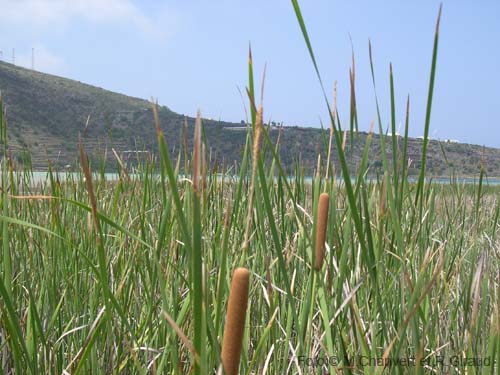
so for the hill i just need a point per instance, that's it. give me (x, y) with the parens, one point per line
(46, 113)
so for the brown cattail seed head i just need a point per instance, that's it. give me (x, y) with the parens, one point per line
(235, 321)
(322, 220)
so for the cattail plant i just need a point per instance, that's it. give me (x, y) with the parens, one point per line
(322, 220)
(235, 321)
(197, 154)
(255, 159)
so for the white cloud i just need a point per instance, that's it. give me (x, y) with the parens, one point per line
(50, 14)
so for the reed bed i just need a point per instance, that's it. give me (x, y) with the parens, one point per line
(133, 276)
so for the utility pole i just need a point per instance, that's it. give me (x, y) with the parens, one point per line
(32, 58)
(13, 56)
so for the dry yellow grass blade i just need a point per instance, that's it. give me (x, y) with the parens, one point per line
(90, 188)
(197, 154)
(32, 197)
(120, 163)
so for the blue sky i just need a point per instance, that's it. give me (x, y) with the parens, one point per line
(193, 54)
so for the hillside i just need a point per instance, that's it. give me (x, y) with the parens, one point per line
(45, 114)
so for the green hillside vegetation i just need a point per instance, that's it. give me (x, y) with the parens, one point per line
(46, 113)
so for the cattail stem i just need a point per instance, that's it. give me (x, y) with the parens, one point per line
(235, 321)
(322, 220)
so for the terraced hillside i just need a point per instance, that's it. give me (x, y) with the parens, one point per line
(45, 114)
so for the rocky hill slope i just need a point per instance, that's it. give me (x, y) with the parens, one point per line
(46, 113)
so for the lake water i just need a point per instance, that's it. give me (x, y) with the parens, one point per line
(39, 177)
